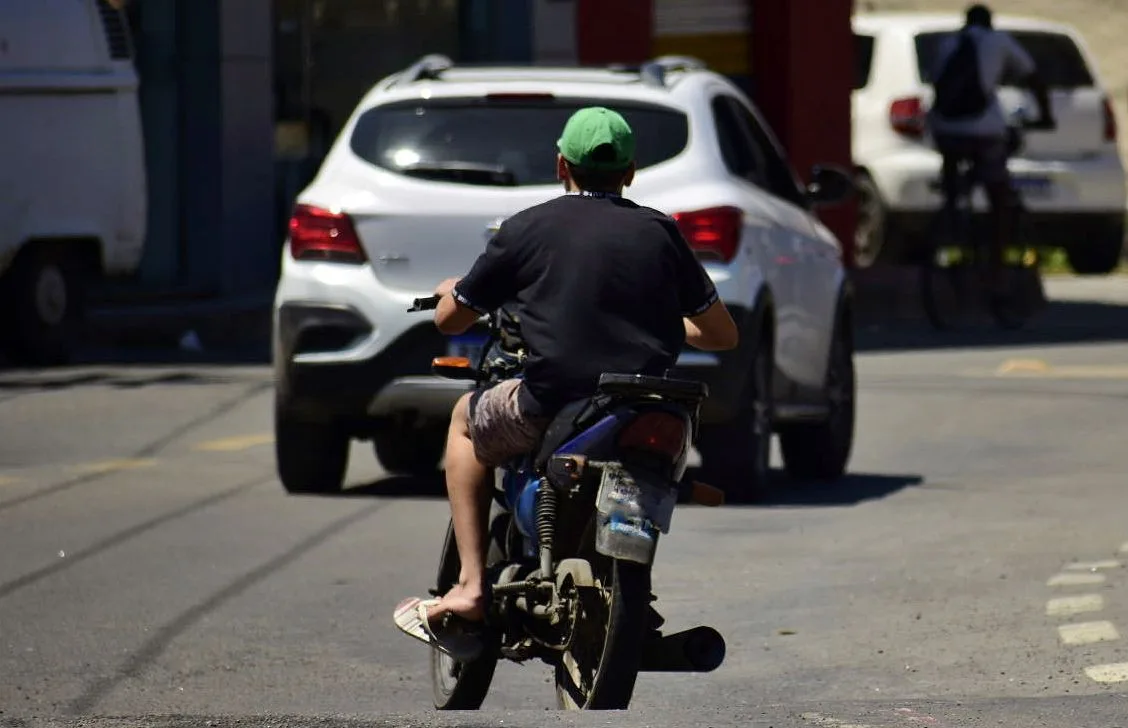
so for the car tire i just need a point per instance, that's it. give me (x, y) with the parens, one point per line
(411, 451)
(312, 457)
(736, 455)
(44, 291)
(821, 451)
(871, 231)
(1097, 257)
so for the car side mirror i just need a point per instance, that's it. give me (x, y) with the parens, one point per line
(829, 185)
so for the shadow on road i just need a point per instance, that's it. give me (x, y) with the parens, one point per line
(59, 380)
(852, 489)
(1060, 322)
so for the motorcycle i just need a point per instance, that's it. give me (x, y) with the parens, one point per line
(573, 533)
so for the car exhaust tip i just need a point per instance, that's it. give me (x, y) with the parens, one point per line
(700, 649)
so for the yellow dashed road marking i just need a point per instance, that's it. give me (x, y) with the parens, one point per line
(1023, 366)
(1087, 633)
(1067, 606)
(1093, 565)
(232, 444)
(1039, 368)
(1114, 673)
(1075, 579)
(111, 466)
(4, 480)
(1124, 548)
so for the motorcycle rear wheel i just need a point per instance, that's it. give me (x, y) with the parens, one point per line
(599, 672)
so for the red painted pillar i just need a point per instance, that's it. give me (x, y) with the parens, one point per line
(613, 32)
(803, 70)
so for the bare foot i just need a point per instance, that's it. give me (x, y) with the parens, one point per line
(461, 601)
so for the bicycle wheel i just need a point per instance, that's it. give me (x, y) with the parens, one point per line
(1013, 307)
(947, 274)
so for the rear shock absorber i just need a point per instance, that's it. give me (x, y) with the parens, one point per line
(546, 525)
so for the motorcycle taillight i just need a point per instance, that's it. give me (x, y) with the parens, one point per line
(657, 432)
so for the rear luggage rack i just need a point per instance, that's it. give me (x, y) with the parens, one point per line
(686, 390)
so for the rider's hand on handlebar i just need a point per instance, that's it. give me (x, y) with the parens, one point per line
(446, 286)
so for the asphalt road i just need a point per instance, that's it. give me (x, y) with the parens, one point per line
(969, 573)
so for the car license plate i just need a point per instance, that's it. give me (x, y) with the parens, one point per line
(1039, 188)
(467, 345)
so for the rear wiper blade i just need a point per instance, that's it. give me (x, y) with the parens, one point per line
(466, 172)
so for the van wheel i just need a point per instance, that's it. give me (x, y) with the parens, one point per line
(410, 450)
(44, 305)
(1096, 257)
(312, 457)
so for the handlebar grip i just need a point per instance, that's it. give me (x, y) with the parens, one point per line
(429, 303)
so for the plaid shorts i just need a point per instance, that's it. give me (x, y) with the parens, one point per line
(499, 429)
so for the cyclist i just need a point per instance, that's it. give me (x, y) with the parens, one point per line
(602, 285)
(967, 121)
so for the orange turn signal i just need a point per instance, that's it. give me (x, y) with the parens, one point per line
(453, 362)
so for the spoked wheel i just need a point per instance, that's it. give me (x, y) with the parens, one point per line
(1017, 303)
(461, 685)
(599, 669)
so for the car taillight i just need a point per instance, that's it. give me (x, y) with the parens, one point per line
(714, 234)
(317, 234)
(906, 116)
(656, 432)
(1110, 128)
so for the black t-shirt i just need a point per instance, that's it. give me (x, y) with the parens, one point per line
(600, 285)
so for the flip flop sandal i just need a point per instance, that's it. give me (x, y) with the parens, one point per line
(456, 637)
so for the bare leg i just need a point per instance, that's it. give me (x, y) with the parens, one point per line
(469, 493)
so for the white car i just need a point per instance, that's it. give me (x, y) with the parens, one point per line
(435, 157)
(1072, 179)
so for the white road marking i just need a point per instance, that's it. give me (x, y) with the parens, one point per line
(1093, 565)
(1115, 673)
(1124, 548)
(1068, 606)
(1086, 633)
(1075, 579)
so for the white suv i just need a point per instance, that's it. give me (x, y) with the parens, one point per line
(1072, 178)
(435, 157)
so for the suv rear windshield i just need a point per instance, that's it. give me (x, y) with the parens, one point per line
(863, 60)
(497, 142)
(1059, 60)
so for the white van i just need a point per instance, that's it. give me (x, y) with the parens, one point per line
(72, 168)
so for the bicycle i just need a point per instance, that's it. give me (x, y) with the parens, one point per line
(958, 262)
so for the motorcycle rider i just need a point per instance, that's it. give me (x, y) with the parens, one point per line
(967, 121)
(601, 284)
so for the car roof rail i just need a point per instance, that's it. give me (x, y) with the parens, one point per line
(653, 72)
(427, 68)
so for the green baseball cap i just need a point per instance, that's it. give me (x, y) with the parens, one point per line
(597, 138)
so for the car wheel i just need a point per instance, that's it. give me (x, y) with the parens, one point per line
(1096, 257)
(870, 231)
(736, 455)
(44, 296)
(312, 457)
(410, 450)
(821, 451)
